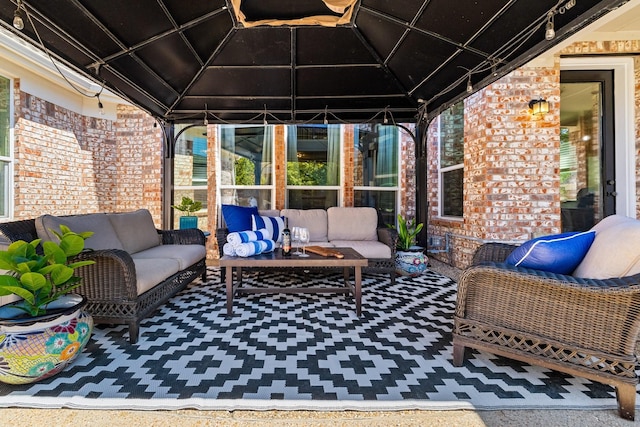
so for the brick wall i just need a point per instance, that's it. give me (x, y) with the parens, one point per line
(68, 163)
(511, 178)
(511, 161)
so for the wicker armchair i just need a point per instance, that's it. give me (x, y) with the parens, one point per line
(582, 327)
(110, 284)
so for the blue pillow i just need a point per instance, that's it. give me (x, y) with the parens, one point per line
(273, 224)
(558, 253)
(238, 218)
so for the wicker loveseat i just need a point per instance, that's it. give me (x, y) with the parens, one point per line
(354, 227)
(137, 268)
(580, 326)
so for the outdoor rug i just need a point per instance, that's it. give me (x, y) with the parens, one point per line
(300, 351)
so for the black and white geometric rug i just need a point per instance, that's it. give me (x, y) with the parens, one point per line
(299, 351)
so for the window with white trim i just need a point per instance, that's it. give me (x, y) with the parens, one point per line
(451, 160)
(5, 147)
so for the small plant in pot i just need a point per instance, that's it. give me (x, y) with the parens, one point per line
(47, 327)
(188, 206)
(410, 260)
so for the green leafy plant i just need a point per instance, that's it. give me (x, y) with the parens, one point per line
(188, 205)
(407, 232)
(42, 278)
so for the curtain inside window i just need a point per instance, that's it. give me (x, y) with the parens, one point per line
(227, 159)
(266, 172)
(387, 160)
(333, 154)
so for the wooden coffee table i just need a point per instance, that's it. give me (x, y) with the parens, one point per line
(352, 259)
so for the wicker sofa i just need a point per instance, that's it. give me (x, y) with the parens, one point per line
(580, 326)
(137, 267)
(354, 227)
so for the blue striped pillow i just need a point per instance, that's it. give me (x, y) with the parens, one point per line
(273, 224)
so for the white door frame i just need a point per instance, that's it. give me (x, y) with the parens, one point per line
(624, 122)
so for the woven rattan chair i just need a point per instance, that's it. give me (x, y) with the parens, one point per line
(583, 327)
(110, 284)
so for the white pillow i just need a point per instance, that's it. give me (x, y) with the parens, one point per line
(615, 251)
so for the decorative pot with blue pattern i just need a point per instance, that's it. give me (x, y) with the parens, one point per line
(411, 263)
(34, 348)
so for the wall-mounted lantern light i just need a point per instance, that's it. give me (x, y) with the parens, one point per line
(539, 106)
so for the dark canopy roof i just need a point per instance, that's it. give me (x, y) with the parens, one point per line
(177, 59)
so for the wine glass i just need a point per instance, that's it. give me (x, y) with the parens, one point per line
(295, 237)
(304, 239)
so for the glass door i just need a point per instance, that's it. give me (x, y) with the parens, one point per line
(587, 167)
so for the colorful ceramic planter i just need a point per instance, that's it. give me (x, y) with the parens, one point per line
(411, 263)
(35, 348)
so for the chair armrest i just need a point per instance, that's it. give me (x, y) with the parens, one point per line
(187, 236)
(221, 237)
(597, 314)
(492, 252)
(389, 237)
(112, 277)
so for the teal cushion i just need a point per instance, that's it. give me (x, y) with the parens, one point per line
(558, 253)
(238, 218)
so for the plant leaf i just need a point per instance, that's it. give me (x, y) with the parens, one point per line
(72, 244)
(79, 264)
(7, 283)
(33, 281)
(54, 252)
(60, 274)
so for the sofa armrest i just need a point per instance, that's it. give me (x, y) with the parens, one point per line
(221, 237)
(389, 237)
(188, 236)
(594, 314)
(111, 278)
(492, 252)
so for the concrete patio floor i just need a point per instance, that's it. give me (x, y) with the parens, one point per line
(100, 418)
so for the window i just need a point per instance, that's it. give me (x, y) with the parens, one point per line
(313, 166)
(246, 165)
(5, 147)
(451, 158)
(376, 154)
(190, 168)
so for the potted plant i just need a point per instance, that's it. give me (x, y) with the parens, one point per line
(189, 206)
(410, 259)
(46, 327)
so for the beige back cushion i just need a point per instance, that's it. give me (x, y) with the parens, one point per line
(104, 235)
(352, 223)
(313, 219)
(136, 230)
(615, 251)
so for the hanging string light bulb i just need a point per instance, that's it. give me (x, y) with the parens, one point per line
(18, 22)
(469, 85)
(550, 32)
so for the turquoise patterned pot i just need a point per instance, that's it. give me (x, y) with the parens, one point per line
(34, 348)
(411, 263)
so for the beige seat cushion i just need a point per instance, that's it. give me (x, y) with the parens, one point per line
(352, 223)
(615, 251)
(104, 235)
(152, 271)
(135, 230)
(313, 219)
(186, 255)
(367, 248)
